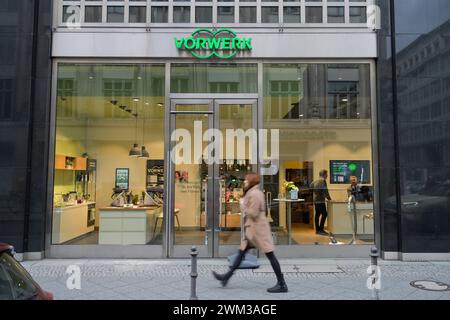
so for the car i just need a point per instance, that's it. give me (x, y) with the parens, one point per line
(15, 281)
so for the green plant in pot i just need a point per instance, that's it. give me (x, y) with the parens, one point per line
(135, 199)
(291, 190)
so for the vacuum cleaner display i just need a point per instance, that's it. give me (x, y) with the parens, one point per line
(154, 196)
(118, 197)
(151, 199)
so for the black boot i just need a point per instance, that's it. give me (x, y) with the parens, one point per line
(279, 287)
(223, 278)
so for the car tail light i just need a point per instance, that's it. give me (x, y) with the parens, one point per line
(50, 295)
(45, 295)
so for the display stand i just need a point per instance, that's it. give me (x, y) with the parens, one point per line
(289, 215)
(269, 206)
(354, 215)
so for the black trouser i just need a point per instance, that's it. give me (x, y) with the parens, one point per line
(321, 210)
(271, 256)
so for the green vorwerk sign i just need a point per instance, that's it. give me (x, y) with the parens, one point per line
(205, 43)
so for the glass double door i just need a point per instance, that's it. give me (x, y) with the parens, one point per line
(211, 150)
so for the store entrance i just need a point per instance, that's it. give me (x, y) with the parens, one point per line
(209, 157)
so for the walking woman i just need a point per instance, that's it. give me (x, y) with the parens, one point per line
(256, 233)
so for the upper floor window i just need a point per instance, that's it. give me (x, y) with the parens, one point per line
(158, 13)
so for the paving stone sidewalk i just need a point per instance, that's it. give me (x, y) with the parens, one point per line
(307, 279)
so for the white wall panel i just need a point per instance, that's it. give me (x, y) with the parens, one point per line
(161, 45)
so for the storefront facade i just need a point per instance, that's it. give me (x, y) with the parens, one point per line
(148, 101)
(144, 81)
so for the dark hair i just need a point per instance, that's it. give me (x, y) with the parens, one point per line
(322, 173)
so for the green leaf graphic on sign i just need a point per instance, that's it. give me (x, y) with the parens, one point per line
(222, 43)
(352, 167)
(214, 44)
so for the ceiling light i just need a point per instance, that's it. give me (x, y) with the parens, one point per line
(139, 78)
(135, 151)
(301, 115)
(160, 104)
(136, 99)
(91, 77)
(144, 153)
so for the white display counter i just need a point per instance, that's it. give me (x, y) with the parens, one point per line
(340, 220)
(70, 222)
(134, 225)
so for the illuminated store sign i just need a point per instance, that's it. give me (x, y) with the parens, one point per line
(205, 43)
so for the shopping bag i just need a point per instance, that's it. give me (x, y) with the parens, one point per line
(249, 262)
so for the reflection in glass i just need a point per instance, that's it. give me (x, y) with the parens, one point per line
(181, 14)
(423, 68)
(323, 114)
(101, 111)
(190, 213)
(213, 78)
(232, 172)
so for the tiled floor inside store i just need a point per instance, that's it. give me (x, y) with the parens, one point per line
(301, 234)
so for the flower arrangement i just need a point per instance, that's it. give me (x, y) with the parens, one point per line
(289, 186)
(292, 190)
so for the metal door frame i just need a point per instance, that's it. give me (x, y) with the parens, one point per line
(210, 249)
(226, 250)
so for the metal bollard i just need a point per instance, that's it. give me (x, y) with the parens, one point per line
(194, 274)
(375, 272)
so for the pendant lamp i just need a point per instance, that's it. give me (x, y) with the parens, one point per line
(144, 152)
(135, 151)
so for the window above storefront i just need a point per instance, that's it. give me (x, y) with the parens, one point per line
(245, 13)
(214, 78)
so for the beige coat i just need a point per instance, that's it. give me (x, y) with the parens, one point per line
(257, 228)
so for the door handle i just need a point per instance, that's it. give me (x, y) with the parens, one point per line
(206, 205)
(221, 196)
(208, 230)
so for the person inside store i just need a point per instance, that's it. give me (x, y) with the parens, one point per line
(354, 189)
(320, 195)
(257, 233)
